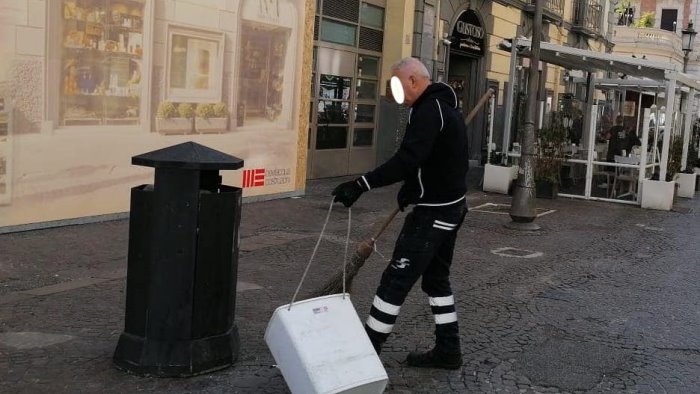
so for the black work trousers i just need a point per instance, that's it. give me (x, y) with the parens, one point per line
(424, 248)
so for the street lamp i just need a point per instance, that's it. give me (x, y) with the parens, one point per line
(687, 40)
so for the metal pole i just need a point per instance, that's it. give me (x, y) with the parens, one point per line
(589, 158)
(668, 126)
(644, 158)
(522, 211)
(639, 113)
(687, 128)
(509, 99)
(492, 105)
(588, 143)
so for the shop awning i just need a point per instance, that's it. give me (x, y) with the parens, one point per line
(644, 83)
(662, 77)
(585, 60)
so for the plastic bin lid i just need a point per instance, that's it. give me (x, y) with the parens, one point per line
(188, 156)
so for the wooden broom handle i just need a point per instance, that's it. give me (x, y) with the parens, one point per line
(385, 224)
(478, 105)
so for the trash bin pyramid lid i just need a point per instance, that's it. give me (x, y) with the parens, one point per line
(188, 156)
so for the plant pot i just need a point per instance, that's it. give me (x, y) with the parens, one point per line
(211, 125)
(546, 189)
(174, 125)
(498, 178)
(697, 180)
(657, 194)
(686, 185)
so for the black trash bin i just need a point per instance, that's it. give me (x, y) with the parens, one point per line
(183, 265)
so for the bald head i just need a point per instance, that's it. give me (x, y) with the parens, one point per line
(414, 77)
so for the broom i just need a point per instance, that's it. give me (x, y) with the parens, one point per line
(365, 248)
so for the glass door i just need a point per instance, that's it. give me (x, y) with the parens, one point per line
(333, 105)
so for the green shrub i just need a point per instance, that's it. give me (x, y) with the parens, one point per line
(166, 110)
(646, 20)
(186, 110)
(550, 157)
(204, 110)
(674, 157)
(692, 159)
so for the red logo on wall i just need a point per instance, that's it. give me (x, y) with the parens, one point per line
(254, 178)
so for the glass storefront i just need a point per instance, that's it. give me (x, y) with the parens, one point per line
(346, 72)
(102, 49)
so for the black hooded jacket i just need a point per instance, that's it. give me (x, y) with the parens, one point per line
(433, 157)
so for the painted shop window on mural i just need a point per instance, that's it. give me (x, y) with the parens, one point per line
(195, 65)
(101, 62)
(5, 154)
(262, 71)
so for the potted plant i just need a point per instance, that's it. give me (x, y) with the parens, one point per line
(686, 178)
(168, 121)
(550, 158)
(211, 118)
(625, 14)
(696, 170)
(657, 193)
(498, 177)
(646, 20)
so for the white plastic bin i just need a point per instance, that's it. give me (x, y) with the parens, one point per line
(320, 345)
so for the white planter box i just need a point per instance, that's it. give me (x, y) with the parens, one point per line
(174, 125)
(686, 185)
(498, 178)
(657, 194)
(211, 125)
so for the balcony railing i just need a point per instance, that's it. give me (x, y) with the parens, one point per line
(587, 16)
(649, 43)
(553, 9)
(646, 38)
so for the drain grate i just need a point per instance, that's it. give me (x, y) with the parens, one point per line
(504, 209)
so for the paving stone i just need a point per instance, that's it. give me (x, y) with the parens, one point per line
(604, 308)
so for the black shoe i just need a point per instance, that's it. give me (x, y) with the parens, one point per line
(434, 359)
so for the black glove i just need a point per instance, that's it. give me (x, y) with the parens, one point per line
(348, 192)
(402, 198)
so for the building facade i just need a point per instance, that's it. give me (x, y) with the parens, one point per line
(92, 83)
(459, 42)
(652, 29)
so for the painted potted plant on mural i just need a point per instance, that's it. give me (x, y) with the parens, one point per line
(174, 119)
(550, 157)
(211, 118)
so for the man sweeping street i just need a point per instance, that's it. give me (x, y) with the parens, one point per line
(432, 163)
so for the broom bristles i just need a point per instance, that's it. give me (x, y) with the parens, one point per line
(335, 284)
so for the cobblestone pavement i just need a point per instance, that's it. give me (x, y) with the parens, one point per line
(604, 298)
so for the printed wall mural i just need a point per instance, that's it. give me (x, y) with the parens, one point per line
(96, 82)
